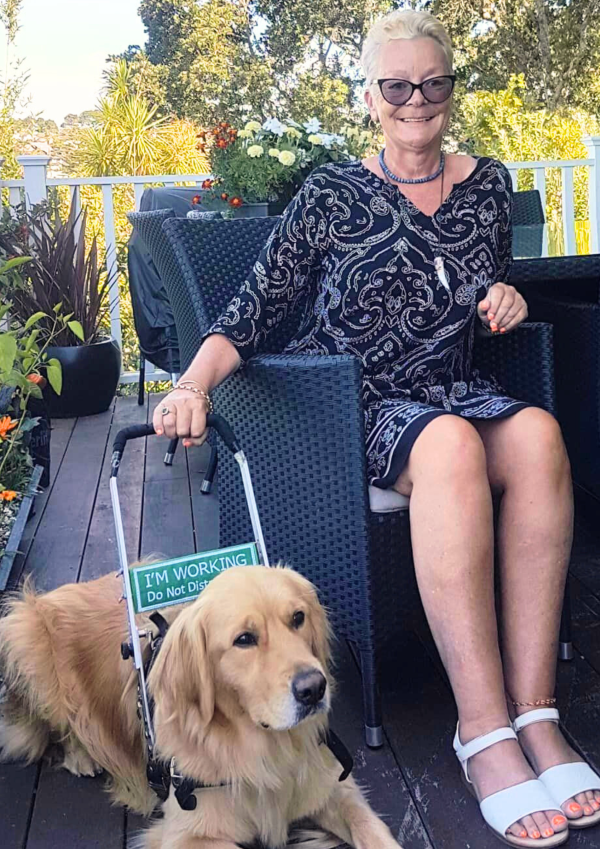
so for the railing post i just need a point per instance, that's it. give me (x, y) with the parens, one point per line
(34, 174)
(593, 146)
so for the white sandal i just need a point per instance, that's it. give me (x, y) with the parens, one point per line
(505, 808)
(565, 780)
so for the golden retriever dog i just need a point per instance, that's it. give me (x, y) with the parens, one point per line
(241, 688)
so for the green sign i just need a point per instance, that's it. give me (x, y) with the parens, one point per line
(183, 579)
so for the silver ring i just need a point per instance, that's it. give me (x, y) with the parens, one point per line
(165, 411)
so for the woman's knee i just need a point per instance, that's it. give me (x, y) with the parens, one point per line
(448, 449)
(537, 444)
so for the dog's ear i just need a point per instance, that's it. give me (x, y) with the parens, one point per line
(320, 632)
(181, 681)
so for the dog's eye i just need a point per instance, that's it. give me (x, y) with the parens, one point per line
(298, 619)
(245, 640)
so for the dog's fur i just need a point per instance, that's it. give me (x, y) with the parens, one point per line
(226, 713)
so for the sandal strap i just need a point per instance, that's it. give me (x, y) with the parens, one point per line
(479, 744)
(533, 716)
(567, 780)
(503, 809)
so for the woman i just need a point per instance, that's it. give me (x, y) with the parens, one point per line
(397, 259)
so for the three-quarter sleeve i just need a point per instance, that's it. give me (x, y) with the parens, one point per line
(505, 232)
(283, 273)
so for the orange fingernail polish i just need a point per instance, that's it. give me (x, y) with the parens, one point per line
(491, 315)
(494, 326)
(559, 820)
(159, 431)
(503, 330)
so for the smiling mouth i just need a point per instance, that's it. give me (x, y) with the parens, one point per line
(415, 120)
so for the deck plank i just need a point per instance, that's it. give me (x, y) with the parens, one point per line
(100, 555)
(57, 549)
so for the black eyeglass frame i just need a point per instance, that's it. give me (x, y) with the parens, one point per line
(417, 86)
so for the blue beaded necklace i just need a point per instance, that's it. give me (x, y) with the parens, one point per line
(392, 176)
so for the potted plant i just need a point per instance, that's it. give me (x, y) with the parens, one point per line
(25, 368)
(63, 278)
(259, 168)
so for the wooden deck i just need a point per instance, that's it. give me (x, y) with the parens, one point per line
(414, 779)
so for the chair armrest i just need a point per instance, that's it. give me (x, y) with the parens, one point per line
(300, 422)
(522, 361)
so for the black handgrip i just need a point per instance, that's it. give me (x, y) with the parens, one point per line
(224, 430)
(213, 420)
(121, 439)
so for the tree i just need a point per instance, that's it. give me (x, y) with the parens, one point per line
(554, 44)
(12, 86)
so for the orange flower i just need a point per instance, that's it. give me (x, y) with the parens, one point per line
(197, 199)
(224, 196)
(38, 379)
(8, 495)
(6, 424)
(236, 201)
(222, 144)
(207, 184)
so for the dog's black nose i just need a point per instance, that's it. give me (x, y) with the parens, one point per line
(309, 687)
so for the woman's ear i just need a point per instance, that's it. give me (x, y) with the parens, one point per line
(181, 680)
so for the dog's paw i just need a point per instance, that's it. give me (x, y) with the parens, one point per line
(77, 761)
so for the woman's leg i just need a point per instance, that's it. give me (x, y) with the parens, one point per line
(452, 538)
(527, 462)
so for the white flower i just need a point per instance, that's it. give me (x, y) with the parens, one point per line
(274, 153)
(312, 126)
(255, 150)
(252, 126)
(272, 125)
(286, 157)
(314, 139)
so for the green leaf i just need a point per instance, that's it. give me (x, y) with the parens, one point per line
(34, 318)
(27, 363)
(34, 390)
(8, 351)
(54, 374)
(77, 329)
(57, 308)
(15, 262)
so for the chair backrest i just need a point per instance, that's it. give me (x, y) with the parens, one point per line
(528, 224)
(213, 260)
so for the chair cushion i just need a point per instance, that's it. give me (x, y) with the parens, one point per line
(386, 500)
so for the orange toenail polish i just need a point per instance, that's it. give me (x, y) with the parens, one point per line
(548, 832)
(494, 326)
(575, 807)
(594, 804)
(523, 833)
(587, 809)
(535, 834)
(559, 820)
(491, 315)
(503, 330)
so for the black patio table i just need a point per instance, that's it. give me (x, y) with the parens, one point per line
(565, 291)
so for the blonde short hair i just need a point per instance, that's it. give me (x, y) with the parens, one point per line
(403, 23)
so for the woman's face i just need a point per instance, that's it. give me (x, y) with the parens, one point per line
(418, 124)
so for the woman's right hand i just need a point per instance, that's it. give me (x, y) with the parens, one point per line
(182, 414)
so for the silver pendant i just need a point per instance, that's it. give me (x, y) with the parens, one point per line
(438, 264)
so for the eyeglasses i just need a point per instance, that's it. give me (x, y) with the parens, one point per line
(434, 90)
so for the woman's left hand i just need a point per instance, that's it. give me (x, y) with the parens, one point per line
(502, 309)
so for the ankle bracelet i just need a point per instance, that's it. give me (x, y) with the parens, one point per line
(537, 703)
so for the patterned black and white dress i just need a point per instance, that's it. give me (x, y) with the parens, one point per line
(355, 256)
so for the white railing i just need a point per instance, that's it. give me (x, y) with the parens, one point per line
(33, 188)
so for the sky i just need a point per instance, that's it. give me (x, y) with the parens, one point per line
(65, 43)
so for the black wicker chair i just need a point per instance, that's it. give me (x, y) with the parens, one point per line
(528, 224)
(300, 421)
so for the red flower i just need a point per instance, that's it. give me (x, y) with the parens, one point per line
(222, 144)
(207, 184)
(38, 379)
(236, 202)
(197, 199)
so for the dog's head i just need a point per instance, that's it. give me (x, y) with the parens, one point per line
(256, 641)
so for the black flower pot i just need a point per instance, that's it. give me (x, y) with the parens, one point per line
(259, 210)
(90, 376)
